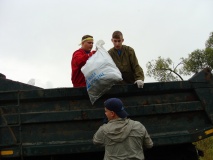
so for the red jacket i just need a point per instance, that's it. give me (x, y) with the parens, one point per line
(79, 59)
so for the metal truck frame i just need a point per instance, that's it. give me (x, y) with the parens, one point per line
(59, 123)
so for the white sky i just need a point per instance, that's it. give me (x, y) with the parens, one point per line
(38, 37)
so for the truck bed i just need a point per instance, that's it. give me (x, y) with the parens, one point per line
(62, 121)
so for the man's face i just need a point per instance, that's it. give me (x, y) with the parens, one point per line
(117, 42)
(109, 114)
(87, 45)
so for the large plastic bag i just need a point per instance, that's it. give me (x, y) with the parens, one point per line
(100, 72)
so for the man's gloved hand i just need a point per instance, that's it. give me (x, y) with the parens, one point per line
(140, 83)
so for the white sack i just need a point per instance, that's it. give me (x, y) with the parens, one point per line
(100, 72)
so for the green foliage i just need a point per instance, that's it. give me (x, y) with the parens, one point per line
(164, 70)
(199, 59)
(209, 42)
(209, 56)
(194, 63)
(206, 146)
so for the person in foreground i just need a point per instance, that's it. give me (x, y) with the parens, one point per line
(79, 59)
(122, 137)
(126, 60)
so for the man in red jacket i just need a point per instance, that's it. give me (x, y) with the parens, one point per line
(79, 59)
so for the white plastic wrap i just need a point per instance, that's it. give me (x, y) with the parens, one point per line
(100, 72)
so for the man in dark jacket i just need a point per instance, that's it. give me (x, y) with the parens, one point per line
(126, 60)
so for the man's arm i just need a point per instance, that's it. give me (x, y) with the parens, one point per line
(98, 137)
(80, 59)
(147, 141)
(137, 70)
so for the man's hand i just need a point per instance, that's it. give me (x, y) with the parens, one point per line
(140, 83)
(91, 53)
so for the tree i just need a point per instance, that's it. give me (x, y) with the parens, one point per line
(209, 42)
(199, 59)
(164, 70)
(194, 63)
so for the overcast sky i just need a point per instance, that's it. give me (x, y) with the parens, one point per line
(38, 37)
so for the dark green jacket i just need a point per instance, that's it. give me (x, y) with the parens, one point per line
(127, 63)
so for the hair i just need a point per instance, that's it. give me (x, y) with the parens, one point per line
(117, 34)
(86, 36)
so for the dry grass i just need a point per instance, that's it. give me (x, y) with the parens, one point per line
(206, 145)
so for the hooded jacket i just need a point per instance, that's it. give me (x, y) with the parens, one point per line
(123, 139)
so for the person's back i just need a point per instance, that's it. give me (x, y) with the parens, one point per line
(122, 137)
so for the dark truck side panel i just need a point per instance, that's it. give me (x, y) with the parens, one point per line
(61, 121)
